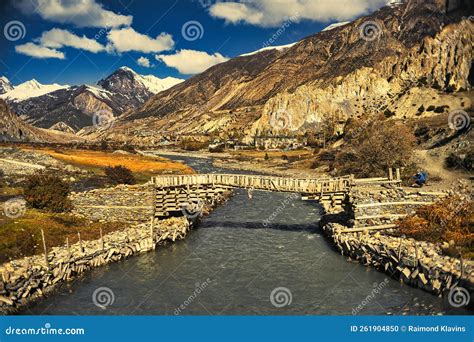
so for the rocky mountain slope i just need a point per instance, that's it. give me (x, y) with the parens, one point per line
(5, 85)
(399, 61)
(72, 107)
(14, 129)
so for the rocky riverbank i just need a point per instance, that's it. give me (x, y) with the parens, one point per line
(416, 263)
(419, 264)
(27, 280)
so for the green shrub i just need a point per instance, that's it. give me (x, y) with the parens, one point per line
(48, 192)
(119, 175)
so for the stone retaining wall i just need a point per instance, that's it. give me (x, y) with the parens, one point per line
(416, 263)
(26, 280)
(419, 264)
(123, 203)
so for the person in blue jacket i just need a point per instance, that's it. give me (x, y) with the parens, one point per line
(420, 178)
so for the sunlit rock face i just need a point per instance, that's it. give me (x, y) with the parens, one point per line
(394, 61)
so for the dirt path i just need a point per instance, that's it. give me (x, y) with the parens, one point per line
(434, 166)
(23, 164)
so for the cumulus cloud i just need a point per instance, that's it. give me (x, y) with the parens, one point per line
(266, 13)
(127, 39)
(57, 38)
(37, 51)
(144, 62)
(191, 61)
(82, 13)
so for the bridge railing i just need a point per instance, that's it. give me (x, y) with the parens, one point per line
(308, 185)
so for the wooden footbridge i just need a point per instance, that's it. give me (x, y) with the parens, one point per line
(174, 192)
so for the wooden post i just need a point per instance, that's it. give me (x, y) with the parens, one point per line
(416, 254)
(68, 247)
(397, 173)
(101, 239)
(80, 242)
(400, 249)
(390, 173)
(45, 250)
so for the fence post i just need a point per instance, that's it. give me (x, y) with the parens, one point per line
(101, 239)
(80, 242)
(68, 248)
(416, 254)
(390, 173)
(397, 173)
(45, 250)
(153, 212)
(400, 249)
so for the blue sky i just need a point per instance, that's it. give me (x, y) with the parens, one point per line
(81, 41)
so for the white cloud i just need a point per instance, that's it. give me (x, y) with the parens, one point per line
(127, 39)
(57, 38)
(272, 13)
(82, 13)
(144, 62)
(191, 61)
(38, 51)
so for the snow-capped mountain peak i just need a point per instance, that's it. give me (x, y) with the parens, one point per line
(125, 68)
(126, 81)
(5, 85)
(31, 88)
(334, 25)
(155, 84)
(276, 47)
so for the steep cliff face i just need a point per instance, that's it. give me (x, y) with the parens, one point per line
(394, 61)
(399, 85)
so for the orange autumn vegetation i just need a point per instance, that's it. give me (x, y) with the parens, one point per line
(450, 219)
(134, 162)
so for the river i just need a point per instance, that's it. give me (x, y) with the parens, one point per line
(241, 253)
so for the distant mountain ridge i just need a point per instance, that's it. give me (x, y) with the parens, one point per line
(14, 129)
(28, 89)
(72, 107)
(397, 61)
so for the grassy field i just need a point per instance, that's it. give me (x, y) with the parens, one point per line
(97, 160)
(22, 236)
